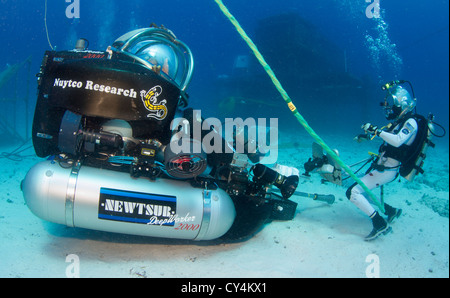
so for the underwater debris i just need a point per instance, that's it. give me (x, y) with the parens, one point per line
(139, 272)
(312, 68)
(302, 57)
(11, 71)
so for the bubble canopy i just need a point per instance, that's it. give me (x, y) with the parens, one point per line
(159, 50)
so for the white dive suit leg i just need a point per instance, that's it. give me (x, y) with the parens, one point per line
(371, 180)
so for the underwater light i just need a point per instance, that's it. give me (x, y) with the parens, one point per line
(287, 185)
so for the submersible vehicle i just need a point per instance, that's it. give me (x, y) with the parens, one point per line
(106, 122)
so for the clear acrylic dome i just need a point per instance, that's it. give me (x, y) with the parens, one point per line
(159, 50)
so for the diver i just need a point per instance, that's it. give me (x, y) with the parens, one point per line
(398, 137)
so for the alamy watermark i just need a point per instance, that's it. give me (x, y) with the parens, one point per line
(373, 269)
(73, 9)
(73, 269)
(373, 9)
(249, 136)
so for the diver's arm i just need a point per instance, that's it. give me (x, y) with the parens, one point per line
(403, 136)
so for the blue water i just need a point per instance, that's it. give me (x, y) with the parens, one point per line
(409, 40)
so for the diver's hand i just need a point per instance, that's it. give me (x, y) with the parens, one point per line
(286, 170)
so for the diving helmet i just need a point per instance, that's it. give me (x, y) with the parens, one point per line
(159, 50)
(402, 103)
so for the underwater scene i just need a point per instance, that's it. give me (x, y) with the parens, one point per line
(224, 139)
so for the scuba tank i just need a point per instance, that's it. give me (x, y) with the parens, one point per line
(413, 165)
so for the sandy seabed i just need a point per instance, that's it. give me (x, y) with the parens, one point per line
(321, 241)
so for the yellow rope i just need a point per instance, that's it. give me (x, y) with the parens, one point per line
(291, 105)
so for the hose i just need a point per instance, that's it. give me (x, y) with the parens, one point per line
(291, 106)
